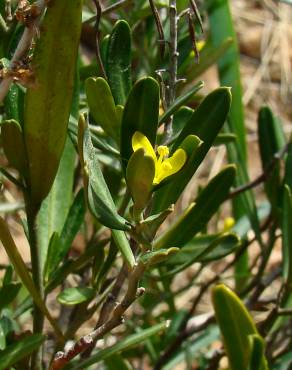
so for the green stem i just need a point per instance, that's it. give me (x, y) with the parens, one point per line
(38, 316)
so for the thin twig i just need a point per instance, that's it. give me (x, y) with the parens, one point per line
(112, 298)
(171, 93)
(262, 177)
(197, 14)
(133, 292)
(159, 27)
(12, 178)
(23, 46)
(192, 34)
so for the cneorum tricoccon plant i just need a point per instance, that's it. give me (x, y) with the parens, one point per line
(101, 139)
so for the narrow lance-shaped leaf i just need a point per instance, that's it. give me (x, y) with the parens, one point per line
(123, 245)
(236, 326)
(271, 140)
(48, 103)
(287, 235)
(198, 214)
(118, 61)
(202, 248)
(54, 209)
(99, 198)
(221, 28)
(140, 114)
(257, 351)
(102, 106)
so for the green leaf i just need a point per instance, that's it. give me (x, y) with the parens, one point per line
(118, 61)
(140, 175)
(287, 234)
(60, 244)
(13, 145)
(208, 118)
(140, 114)
(257, 348)
(73, 296)
(151, 224)
(102, 106)
(271, 140)
(19, 350)
(123, 245)
(180, 119)
(123, 345)
(203, 248)
(54, 209)
(235, 324)
(221, 29)
(196, 217)
(97, 141)
(180, 101)
(206, 122)
(151, 258)
(48, 103)
(117, 362)
(8, 293)
(99, 198)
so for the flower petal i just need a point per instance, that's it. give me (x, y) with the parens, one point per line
(140, 141)
(170, 166)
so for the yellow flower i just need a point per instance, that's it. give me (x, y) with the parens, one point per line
(229, 222)
(164, 165)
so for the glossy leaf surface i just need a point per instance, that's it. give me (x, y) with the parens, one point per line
(48, 103)
(102, 106)
(118, 61)
(235, 324)
(140, 114)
